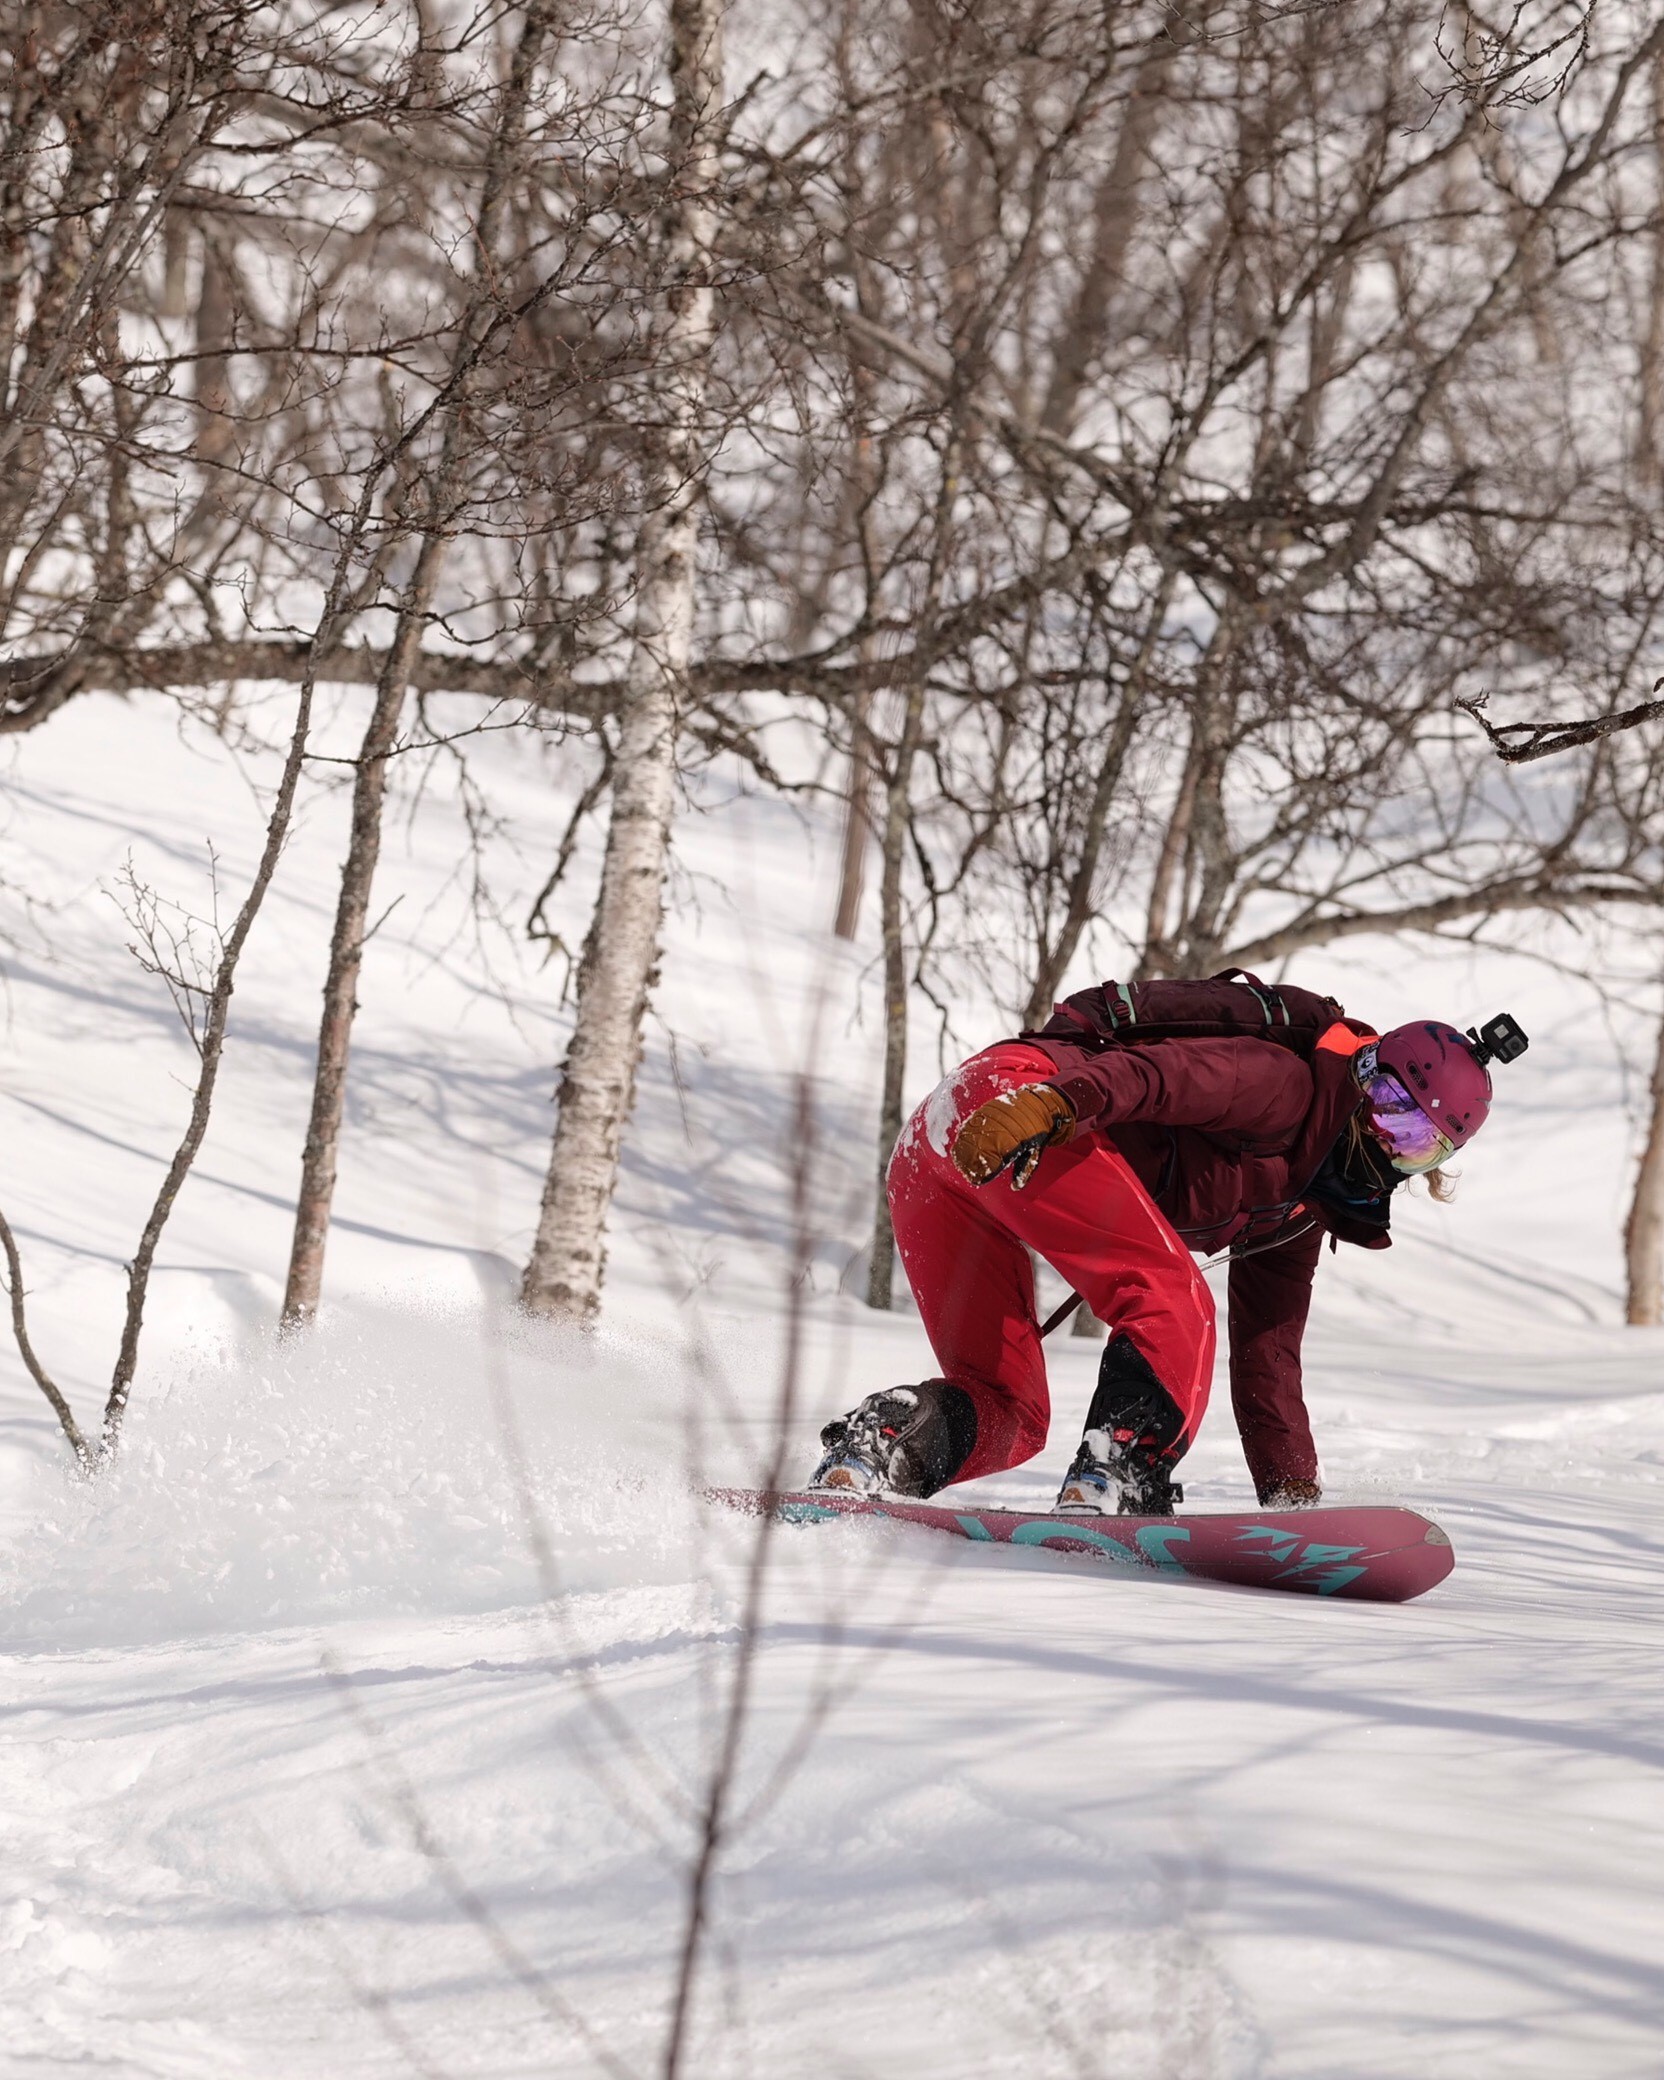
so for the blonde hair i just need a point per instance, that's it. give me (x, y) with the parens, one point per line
(1441, 1183)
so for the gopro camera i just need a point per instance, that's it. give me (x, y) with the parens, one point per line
(1499, 1039)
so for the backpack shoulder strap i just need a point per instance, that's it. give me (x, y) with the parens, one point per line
(1270, 999)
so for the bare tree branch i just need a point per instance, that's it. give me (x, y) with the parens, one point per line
(1518, 743)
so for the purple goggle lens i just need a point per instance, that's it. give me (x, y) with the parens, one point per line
(1411, 1139)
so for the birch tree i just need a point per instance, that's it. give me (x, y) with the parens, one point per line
(597, 1086)
(1644, 1227)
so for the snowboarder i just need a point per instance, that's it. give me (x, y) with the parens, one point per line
(1137, 1125)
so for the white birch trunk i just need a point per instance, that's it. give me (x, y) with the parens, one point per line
(1644, 1230)
(881, 1271)
(597, 1087)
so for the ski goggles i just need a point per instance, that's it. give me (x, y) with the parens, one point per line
(1411, 1139)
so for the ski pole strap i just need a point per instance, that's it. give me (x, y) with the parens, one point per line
(1060, 1315)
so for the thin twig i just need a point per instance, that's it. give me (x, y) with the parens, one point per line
(37, 1372)
(722, 1783)
(425, 1838)
(371, 1999)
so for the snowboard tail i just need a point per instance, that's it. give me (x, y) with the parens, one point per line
(1376, 1555)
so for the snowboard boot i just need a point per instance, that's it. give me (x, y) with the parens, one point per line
(1291, 1494)
(1126, 1458)
(903, 1441)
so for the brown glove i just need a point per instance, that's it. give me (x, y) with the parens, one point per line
(1011, 1132)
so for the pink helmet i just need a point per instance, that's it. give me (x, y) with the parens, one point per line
(1444, 1070)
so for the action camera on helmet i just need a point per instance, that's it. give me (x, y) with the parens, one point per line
(1499, 1039)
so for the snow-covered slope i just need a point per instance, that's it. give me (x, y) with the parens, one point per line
(305, 1775)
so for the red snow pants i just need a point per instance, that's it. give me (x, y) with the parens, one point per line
(1085, 1212)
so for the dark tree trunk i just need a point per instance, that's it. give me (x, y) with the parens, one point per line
(320, 1159)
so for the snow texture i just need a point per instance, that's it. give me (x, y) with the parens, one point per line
(423, 1612)
(940, 1115)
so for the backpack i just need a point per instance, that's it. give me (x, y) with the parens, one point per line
(1221, 1008)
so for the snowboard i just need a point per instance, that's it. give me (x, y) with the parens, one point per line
(1380, 1555)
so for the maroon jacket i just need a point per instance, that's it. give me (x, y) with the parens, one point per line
(1228, 1135)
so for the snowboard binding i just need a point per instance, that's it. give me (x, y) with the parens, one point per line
(1124, 1465)
(902, 1441)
